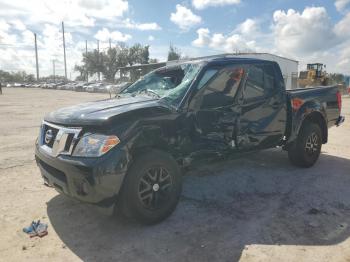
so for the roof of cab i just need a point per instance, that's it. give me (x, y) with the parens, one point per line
(217, 61)
(225, 60)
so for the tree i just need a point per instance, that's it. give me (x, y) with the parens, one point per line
(5, 76)
(93, 62)
(80, 78)
(113, 59)
(138, 54)
(123, 55)
(82, 72)
(51, 78)
(145, 55)
(173, 53)
(19, 76)
(109, 62)
(30, 78)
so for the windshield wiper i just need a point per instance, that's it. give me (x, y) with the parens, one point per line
(151, 92)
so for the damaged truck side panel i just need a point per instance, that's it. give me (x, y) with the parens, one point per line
(130, 149)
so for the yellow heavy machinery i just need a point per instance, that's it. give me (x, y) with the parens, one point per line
(313, 76)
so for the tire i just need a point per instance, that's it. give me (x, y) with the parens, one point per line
(306, 149)
(152, 188)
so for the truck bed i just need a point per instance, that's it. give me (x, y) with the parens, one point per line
(301, 101)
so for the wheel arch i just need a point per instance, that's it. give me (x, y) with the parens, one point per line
(317, 118)
(145, 144)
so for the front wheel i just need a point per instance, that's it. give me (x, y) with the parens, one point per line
(152, 188)
(307, 148)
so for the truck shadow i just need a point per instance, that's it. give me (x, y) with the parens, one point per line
(261, 199)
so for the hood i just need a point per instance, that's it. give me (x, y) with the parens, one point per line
(98, 112)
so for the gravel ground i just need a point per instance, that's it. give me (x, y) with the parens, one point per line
(258, 208)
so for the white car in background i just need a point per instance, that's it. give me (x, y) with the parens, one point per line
(93, 87)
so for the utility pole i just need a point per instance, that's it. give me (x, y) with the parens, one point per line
(110, 44)
(98, 59)
(54, 71)
(87, 73)
(64, 52)
(36, 58)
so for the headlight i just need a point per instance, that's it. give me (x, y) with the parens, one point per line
(94, 145)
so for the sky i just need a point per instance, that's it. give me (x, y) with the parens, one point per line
(307, 31)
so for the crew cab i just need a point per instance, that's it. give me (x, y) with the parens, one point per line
(129, 152)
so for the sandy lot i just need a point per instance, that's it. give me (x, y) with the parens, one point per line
(259, 208)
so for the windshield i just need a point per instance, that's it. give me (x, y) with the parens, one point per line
(168, 83)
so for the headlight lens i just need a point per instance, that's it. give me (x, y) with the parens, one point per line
(94, 145)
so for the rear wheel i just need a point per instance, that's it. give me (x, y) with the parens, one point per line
(151, 188)
(307, 148)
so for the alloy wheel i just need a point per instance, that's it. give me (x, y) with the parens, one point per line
(155, 187)
(312, 144)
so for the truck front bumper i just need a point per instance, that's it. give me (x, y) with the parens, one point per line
(91, 180)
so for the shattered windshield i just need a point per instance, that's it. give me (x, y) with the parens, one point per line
(168, 83)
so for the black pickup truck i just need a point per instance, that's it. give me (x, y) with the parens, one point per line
(129, 152)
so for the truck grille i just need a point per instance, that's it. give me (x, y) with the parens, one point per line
(57, 140)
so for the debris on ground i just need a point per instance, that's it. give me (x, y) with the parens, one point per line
(36, 229)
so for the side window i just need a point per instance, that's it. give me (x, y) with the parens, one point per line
(220, 90)
(206, 77)
(260, 81)
(255, 83)
(269, 78)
